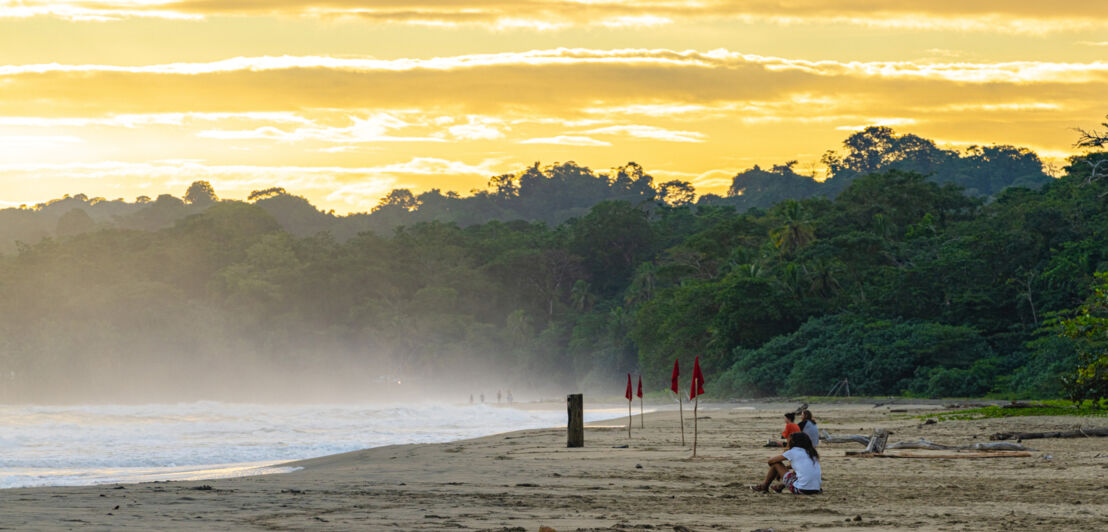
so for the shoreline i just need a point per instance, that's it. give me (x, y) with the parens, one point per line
(522, 480)
(118, 469)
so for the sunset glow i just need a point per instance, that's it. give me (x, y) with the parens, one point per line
(341, 101)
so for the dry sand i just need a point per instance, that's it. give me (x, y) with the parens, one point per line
(528, 479)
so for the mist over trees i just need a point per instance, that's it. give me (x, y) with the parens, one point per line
(909, 269)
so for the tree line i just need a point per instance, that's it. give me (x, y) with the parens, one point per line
(908, 270)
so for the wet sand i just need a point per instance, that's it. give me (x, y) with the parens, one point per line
(524, 480)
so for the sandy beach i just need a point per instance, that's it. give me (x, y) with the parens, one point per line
(528, 479)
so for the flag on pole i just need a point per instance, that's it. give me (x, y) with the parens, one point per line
(697, 380)
(628, 396)
(642, 418)
(673, 380)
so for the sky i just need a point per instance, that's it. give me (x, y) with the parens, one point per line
(341, 101)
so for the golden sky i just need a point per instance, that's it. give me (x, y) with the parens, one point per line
(341, 101)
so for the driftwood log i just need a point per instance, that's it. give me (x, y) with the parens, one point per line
(848, 438)
(924, 444)
(877, 441)
(1079, 433)
(1001, 454)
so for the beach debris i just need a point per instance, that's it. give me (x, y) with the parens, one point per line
(119, 488)
(546, 529)
(877, 441)
(857, 518)
(929, 421)
(638, 466)
(1079, 433)
(293, 491)
(924, 444)
(850, 438)
(997, 454)
(763, 530)
(205, 487)
(681, 528)
(619, 446)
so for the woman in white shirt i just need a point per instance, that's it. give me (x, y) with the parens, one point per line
(805, 478)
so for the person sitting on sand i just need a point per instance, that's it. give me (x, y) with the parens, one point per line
(808, 426)
(805, 478)
(790, 427)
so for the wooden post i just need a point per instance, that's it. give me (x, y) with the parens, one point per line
(628, 418)
(695, 406)
(576, 426)
(681, 409)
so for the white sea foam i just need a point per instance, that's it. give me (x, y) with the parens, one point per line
(82, 445)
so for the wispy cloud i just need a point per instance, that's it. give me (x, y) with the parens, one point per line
(1007, 16)
(649, 132)
(567, 140)
(375, 128)
(960, 72)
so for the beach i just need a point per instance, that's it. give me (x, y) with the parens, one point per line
(528, 479)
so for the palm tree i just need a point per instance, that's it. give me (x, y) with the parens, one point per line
(796, 229)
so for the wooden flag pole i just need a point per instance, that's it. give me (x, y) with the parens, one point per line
(629, 418)
(681, 408)
(642, 424)
(695, 406)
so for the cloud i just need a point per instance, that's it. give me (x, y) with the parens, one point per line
(140, 120)
(484, 84)
(649, 132)
(363, 130)
(962, 72)
(1007, 16)
(567, 140)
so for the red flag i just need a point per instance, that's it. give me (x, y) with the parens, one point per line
(628, 394)
(673, 380)
(697, 387)
(639, 394)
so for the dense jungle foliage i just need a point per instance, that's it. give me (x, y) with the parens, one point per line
(909, 270)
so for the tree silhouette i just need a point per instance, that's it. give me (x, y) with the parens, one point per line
(200, 193)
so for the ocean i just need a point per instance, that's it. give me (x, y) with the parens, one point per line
(95, 444)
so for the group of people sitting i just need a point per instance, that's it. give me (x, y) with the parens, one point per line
(802, 475)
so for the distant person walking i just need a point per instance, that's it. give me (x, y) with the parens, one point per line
(498, 397)
(482, 397)
(470, 398)
(510, 399)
